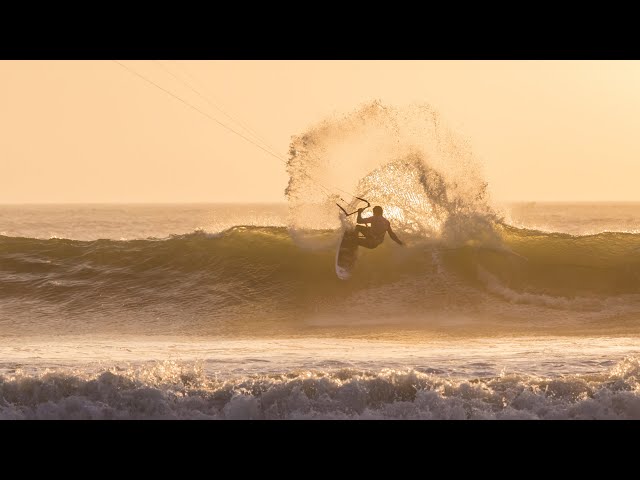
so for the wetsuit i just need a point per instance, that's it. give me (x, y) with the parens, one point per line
(374, 235)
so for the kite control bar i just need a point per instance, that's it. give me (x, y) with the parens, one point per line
(349, 214)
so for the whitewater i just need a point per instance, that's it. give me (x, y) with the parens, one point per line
(234, 311)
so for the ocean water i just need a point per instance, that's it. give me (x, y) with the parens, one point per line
(229, 311)
(491, 311)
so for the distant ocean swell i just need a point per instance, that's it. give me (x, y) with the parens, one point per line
(171, 390)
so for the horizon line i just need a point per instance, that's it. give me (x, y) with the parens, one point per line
(266, 202)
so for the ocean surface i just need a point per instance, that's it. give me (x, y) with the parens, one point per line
(229, 311)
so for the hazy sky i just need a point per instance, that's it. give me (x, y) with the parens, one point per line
(91, 131)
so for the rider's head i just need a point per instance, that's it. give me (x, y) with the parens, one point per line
(377, 210)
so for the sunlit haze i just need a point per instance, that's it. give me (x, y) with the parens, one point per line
(196, 240)
(94, 132)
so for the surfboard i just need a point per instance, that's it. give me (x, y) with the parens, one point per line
(347, 253)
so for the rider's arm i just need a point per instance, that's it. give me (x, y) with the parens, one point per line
(394, 237)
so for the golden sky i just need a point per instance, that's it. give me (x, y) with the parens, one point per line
(91, 131)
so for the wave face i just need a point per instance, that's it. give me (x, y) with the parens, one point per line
(169, 390)
(260, 273)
